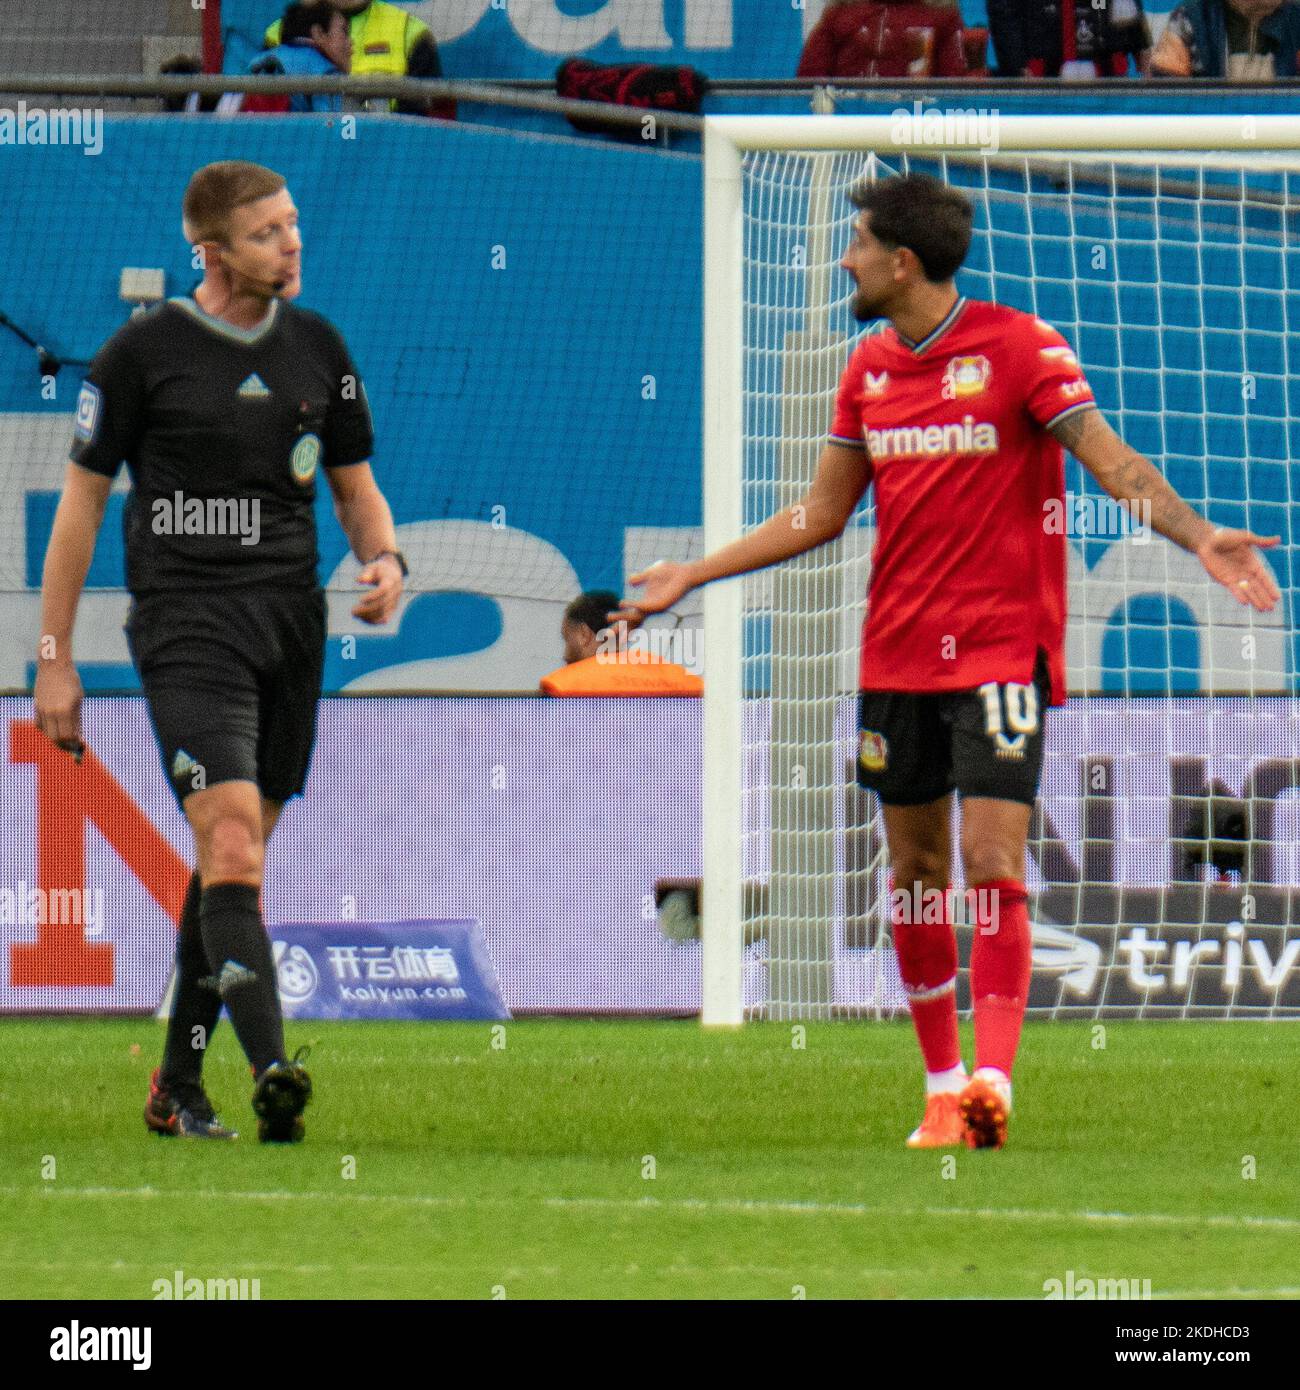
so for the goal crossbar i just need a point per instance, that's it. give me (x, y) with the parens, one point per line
(910, 130)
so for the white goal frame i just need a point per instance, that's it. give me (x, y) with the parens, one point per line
(726, 141)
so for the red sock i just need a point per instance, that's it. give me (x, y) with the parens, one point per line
(927, 961)
(1000, 966)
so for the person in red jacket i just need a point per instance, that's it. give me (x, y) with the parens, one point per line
(890, 38)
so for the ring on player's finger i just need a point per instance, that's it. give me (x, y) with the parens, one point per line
(1243, 583)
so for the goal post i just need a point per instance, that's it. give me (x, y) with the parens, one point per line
(721, 946)
(1165, 249)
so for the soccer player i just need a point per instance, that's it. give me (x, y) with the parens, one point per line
(222, 405)
(957, 412)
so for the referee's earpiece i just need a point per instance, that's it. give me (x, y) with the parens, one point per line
(275, 286)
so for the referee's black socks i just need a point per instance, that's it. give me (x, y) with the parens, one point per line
(239, 956)
(196, 1005)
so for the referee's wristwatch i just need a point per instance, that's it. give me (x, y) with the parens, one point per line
(398, 556)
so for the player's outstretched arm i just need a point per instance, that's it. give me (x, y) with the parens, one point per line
(842, 477)
(1230, 556)
(367, 521)
(67, 561)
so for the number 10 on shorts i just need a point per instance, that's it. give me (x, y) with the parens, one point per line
(1009, 707)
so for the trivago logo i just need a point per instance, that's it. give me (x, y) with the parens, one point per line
(1208, 965)
(71, 797)
(1158, 966)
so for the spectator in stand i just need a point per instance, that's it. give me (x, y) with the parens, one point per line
(185, 65)
(600, 660)
(1246, 40)
(387, 41)
(314, 42)
(1068, 38)
(892, 38)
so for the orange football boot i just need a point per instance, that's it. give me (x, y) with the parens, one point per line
(942, 1126)
(984, 1106)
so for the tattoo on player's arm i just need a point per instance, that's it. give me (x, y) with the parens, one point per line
(1130, 478)
(1070, 431)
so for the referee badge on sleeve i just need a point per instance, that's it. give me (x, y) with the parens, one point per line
(88, 407)
(305, 457)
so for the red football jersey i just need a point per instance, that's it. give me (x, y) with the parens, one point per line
(967, 579)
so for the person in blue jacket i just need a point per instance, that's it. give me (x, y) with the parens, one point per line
(315, 41)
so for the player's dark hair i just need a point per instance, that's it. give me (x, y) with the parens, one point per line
(303, 16)
(930, 218)
(216, 190)
(591, 608)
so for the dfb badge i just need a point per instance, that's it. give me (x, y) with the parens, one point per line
(89, 402)
(305, 457)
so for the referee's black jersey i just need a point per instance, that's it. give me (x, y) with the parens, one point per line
(222, 430)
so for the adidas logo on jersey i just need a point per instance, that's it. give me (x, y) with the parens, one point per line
(933, 441)
(253, 388)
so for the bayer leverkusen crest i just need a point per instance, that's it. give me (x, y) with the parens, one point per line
(966, 376)
(873, 751)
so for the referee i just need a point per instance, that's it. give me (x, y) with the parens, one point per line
(222, 405)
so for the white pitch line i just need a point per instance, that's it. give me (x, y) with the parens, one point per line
(756, 1206)
(1282, 1223)
(805, 1273)
(1227, 1293)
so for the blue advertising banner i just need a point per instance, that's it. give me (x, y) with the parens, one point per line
(397, 970)
(525, 313)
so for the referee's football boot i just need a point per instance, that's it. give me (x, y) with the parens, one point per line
(182, 1112)
(279, 1098)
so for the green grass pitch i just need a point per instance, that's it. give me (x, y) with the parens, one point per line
(654, 1160)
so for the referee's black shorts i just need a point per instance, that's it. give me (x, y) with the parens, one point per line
(232, 678)
(915, 748)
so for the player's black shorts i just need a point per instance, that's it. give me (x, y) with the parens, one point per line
(915, 748)
(233, 678)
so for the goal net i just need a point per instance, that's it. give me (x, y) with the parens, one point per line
(1165, 845)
